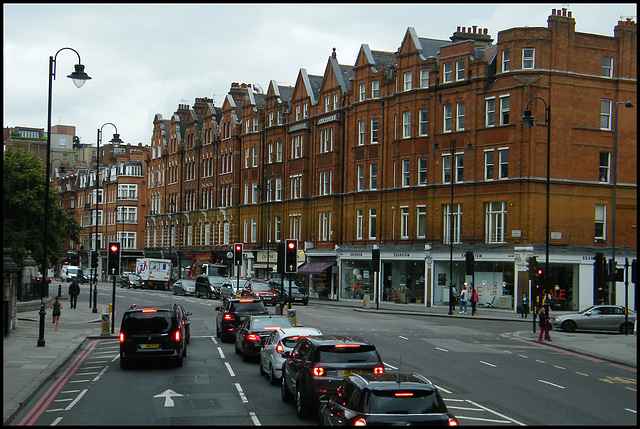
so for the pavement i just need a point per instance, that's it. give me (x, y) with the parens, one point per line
(28, 367)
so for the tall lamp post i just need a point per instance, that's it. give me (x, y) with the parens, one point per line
(79, 77)
(114, 140)
(452, 149)
(529, 121)
(628, 105)
(172, 204)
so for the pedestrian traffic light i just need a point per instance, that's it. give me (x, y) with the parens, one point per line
(113, 258)
(291, 256)
(375, 258)
(94, 259)
(600, 267)
(237, 254)
(469, 262)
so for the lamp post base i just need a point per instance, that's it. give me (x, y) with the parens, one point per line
(41, 342)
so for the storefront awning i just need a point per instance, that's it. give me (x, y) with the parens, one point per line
(314, 267)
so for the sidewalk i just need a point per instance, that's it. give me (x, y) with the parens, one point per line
(27, 367)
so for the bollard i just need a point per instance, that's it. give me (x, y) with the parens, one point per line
(105, 324)
(292, 316)
(365, 301)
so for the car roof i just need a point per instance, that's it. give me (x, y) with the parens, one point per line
(324, 339)
(392, 381)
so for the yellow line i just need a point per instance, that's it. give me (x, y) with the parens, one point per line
(541, 361)
(507, 351)
(582, 373)
(631, 388)
(559, 367)
(526, 357)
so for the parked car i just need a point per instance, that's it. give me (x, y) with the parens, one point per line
(320, 363)
(298, 292)
(254, 330)
(259, 289)
(149, 332)
(209, 286)
(131, 280)
(232, 313)
(184, 287)
(278, 342)
(596, 318)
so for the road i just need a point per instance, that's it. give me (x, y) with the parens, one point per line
(485, 376)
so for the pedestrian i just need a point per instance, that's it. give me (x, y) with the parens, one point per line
(463, 300)
(543, 322)
(74, 291)
(474, 300)
(57, 307)
(454, 295)
(525, 305)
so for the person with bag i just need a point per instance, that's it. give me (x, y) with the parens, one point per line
(57, 310)
(544, 322)
(74, 291)
(463, 300)
(474, 300)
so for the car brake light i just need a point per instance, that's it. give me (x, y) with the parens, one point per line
(228, 316)
(340, 346)
(246, 300)
(279, 348)
(177, 335)
(122, 337)
(378, 370)
(253, 337)
(360, 422)
(403, 394)
(271, 328)
(317, 371)
(150, 311)
(453, 421)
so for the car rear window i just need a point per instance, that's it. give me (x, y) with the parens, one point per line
(141, 323)
(248, 307)
(332, 354)
(272, 322)
(410, 402)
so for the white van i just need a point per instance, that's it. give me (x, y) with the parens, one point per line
(70, 272)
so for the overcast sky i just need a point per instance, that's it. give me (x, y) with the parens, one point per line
(146, 59)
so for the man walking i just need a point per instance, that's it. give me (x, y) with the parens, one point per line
(74, 291)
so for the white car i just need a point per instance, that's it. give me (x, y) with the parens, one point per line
(280, 341)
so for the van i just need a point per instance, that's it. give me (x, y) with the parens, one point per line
(70, 272)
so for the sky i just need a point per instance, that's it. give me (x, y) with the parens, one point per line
(146, 59)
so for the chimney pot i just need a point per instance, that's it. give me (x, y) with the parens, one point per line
(569, 15)
(474, 29)
(458, 28)
(553, 11)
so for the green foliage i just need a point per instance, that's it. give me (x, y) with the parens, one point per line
(23, 186)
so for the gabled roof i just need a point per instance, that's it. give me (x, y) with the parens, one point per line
(342, 73)
(312, 84)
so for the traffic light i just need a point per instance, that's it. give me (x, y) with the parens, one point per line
(600, 267)
(113, 258)
(237, 254)
(291, 256)
(532, 267)
(375, 258)
(469, 262)
(94, 259)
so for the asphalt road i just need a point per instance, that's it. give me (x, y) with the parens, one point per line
(485, 376)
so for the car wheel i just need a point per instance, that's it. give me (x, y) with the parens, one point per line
(285, 395)
(302, 409)
(272, 376)
(626, 328)
(569, 326)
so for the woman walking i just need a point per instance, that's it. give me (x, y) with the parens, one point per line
(543, 323)
(57, 307)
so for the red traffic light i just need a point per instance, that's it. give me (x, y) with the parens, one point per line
(114, 248)
(238, 247)
(291, 245)
(539, 271)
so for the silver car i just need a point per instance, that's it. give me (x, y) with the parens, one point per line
(280, 341)
(596, 318)
(184, 287)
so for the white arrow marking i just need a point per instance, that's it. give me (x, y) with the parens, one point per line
(167, 394)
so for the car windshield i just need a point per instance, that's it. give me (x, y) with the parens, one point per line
(410, 402)
(139, 322)
(188, 283)
(248, 307)
(260, 286)
(134, 277)
(273, 323)
(361, 353)
(215, 280)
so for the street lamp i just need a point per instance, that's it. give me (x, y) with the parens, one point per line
(115, 139)
(172, 204)
(452, 149)
(628, 105)
(529, 121)
(79, 77)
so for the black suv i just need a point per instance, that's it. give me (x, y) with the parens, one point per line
(255, 329)
(161, 331)
(232, 313)
(320, 363)
(385, 399)
(209, 286)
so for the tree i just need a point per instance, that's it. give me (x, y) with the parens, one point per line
(23, 185)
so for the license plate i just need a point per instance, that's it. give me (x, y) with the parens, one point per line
(149, 346)
(346, 372)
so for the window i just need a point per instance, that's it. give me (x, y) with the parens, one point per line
(327, 103)
(408, 76)
(296, 147)
(503, 155)
(528, 58)
(359, 221)
(421, 221)
(605, 159)
(296, 186)
(424, 122)
(305, 110)
(452, 220)
(374, 130)
(373, 176)
(297, 113)
(255, 124)
(422, 171)
(280, 117)
(446, 168)
(246, 157)
(246, 193)
(373, 217)
(506, 60)
(254, 229)
(246, 126)
(254, 156)
(278, 193)
(601, 219)
(127, 192)
(460, 70)
(424, 78)
(404, 222)
(406, 124)
(325, 182)
(490, 111)
(362, 93)
(360, 133)
(270, 119)
(326, 140)
(406, 172)
(360, 178)
(447, 117)
(270, 152)
(495, 222)
(278, 228)
(607, 66)
(460, 116)
(324, 226)
(335, 101)
(459, 167)
(504, 110)
(605, 114)
(447, 73)
(488, 164)
(254, 193)
(279, 151)
(375, 89)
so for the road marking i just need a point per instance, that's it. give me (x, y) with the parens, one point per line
(540, 361)
(56, 421)
(523, 356)
(231, 373)
(482, 420)
(582, 373)
(75, 401)
(167, 395)
(241, 393)
(445, 391)
(631, 388)
(559, 367)
(442, 350)
(87, 373)
(390, 366)
(631, 411)
(404, 338)
(551, 384)
(214, 340)
(496, 413)
(101, 373)
(489, 364)
(79, 381)
(220, 352)
(254, 418)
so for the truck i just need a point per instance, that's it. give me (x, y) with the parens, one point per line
(155, 273)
